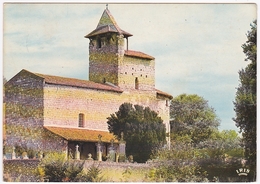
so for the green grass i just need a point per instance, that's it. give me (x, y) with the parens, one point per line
(125, 174)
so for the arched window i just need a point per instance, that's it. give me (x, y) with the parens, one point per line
(81, 120)
(136, 83)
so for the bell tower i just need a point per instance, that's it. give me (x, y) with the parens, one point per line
(106, 50)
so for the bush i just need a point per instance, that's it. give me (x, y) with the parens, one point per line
(56, 168)
(178, 171)
(31, 153)
(225, 171)
(19, 150)
(179, 164)
(92, 175)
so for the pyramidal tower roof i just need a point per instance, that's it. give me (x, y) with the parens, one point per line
(107, 24)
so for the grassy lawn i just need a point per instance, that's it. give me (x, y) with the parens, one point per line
(125, 174)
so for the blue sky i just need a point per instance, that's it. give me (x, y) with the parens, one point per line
(197, 47)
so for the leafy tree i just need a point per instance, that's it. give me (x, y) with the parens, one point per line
(142, 128)
(179, 164)
(193, 120)
(215, 159)
(245, 101)
(222, 144)
(200, 151)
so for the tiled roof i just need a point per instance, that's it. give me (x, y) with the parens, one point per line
(77, 83)
(106, 29)
(163, 93)
(138, 54)
(107, 24)
(81, 134)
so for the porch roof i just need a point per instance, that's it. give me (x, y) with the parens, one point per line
(81, 134)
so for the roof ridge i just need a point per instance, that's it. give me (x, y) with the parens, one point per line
(163, 93)
(48, 75)
(81, 134)
(138, 54)
(67, 81)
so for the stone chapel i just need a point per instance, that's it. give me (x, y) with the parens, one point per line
(54, 113)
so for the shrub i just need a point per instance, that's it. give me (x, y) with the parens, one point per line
(92, 175)
(127, 173)
(179, 164)
(178, 171)
(56, 168)
(19, 150)
(31, 153)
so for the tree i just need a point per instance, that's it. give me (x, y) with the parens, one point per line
(215, 158)
(225, 143)
(245, 101)
(201, 152)
(179, 164)
(142, 128)
(193, 120)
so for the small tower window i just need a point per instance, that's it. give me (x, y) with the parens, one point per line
(136, 83)
(81, 120)
(104, 80)
(99, 43)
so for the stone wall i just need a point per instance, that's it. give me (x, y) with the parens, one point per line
(133, 68)
(23, 109)
(24, 115)
(121, 165)
(20, 170)
(63, 105)
(104, 57)
(42, 140)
